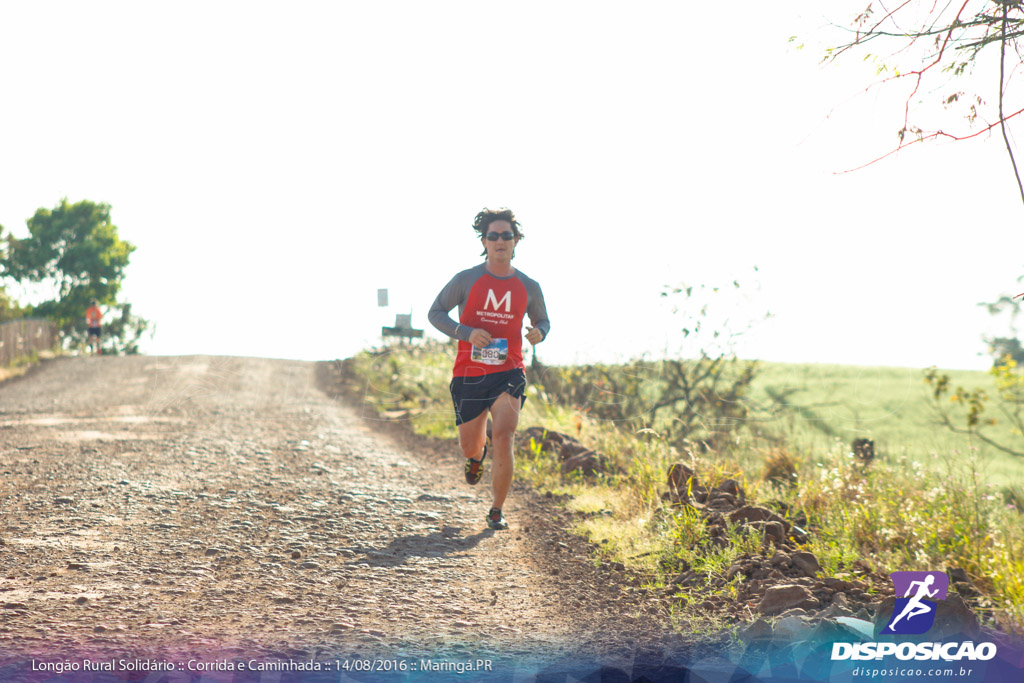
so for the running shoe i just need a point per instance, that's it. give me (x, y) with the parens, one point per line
(496, 520)
(475, 468)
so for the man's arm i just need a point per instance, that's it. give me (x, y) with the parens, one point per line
(538, 313)
(451, 296)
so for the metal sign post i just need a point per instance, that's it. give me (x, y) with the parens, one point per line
(403, 328)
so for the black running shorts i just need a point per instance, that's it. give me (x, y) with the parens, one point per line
(94, 331)
(474, 395)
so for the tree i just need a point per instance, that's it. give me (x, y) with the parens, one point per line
(9, 308)
(967, 411)
(701, 397)
(971, 411)
(124, 329)
(1009, 346)
(927, 41)
(74, 254)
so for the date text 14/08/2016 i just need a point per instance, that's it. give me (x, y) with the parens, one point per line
(433, 665)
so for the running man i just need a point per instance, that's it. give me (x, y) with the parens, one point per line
(93, 316)
(914, 605)
(489, 377)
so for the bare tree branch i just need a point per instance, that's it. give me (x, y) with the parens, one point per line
(1002, 119)
(956, 32)
(932, 136)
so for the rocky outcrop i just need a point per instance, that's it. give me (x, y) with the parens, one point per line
(725, 504)
(783, 597)
(573, 456)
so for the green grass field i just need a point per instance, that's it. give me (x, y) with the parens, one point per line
(816, 406)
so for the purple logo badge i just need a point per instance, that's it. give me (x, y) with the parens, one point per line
(916, 593)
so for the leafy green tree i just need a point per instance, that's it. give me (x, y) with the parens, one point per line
(9, 308)
(73, 253)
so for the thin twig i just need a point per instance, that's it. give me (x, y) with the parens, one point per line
(930, 136)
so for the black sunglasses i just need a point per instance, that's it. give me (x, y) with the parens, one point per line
(508, 236)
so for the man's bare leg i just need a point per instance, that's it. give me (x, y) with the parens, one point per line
(473, 435)
(505, 415)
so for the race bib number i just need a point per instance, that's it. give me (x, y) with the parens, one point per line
(494, 353)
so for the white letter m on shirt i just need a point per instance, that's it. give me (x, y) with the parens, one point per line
(492, 298)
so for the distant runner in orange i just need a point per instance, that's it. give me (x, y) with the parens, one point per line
(93, 317)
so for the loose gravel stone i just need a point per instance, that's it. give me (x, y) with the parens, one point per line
(251, 508)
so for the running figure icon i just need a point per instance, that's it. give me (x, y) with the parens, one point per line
(914, 606)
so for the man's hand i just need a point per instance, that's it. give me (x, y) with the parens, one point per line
(534, 336)
(479, 338)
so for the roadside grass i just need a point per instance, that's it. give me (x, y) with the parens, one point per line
(929, 501)
(22, 364)
(409, 383)
(905, 514)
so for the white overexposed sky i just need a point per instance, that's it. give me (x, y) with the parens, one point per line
(275, 164)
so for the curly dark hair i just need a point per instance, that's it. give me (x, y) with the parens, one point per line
(487, 216)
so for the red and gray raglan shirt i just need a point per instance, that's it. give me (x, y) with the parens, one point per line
(496, 304)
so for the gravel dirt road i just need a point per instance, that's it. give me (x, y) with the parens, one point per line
(171, 509)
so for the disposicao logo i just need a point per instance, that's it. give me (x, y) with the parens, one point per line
(914, 613)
